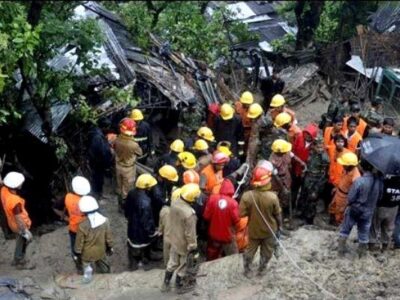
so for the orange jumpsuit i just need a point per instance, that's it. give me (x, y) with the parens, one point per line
(362, 125)
(328, 136)
(339, 202)
(211, 180)
(353, 141)
(335, 169)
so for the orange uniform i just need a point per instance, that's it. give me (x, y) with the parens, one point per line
(275, 112)
(339, 202)
(353, 141)
(242, 234)
(335, 169)
(9, 202)
(213, 179)
(362, 125)
(328, 136)
(75, 215)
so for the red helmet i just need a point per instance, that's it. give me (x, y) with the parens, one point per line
(261, 177)
(220, 158)
(127, 126)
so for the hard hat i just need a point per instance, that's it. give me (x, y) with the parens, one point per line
(177, 146)
(145, 181)
(136, 115)
(227, 111)
(206, 133)
(255, 110)
(187, 159)
(200, 145)
(247, 98)
(80, 185)
(191, 176)
(88, 204)
(168, 172)
(277, 101)
(225, 150)
(176, 194)
(282, 119)
(14, 180)
(261, 177)
(281, 146)
(190, 192)
(127, 126)
(219, 158)
(348, 159)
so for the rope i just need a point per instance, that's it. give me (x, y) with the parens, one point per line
(290, 258)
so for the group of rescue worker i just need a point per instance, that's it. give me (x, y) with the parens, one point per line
(233, 182)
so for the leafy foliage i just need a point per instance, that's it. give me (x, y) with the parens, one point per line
(121, 96)
(286, 43)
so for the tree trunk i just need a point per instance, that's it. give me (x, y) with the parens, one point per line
(307, 15)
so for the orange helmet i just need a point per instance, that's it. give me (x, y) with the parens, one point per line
(191, 176)
(127, 126)
(261, 177)
(219, 158)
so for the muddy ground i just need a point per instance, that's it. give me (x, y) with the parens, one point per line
(312, 249)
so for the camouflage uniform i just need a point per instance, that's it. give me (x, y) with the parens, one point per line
(190, 121)
(373, 118)
(313, 184)
(335, 108)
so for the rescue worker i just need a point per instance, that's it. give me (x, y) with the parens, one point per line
(190, 119)
(187, 161)
(353, 137)
(211, 176)
(126, 152)
(254, 114)
(362, 198)
(143, 135)
(278, 106)
(228, 127)
(337, 109)
(234, 162)
(213, 111)
(332, 131)
(183, 241)
(94, 239)
(388, 126)
(315, 179)
(222, 213)
(242, 108)
(285, 121)
(203, 156)
(271, 86)
(17, 217)
(207, 134)
(100, 159)
(262, 207)
(355, 112)
(170, 158)
(338, 205)
(69, 211)
(374, 116)
(141, 226)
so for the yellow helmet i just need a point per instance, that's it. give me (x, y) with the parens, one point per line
(247, 98)
(177, 146)
(136, 115)
(348, 159)
(200, 145)
(187, 159)
(281, 146)
(176, 193)
(145, 181)
(169, 172)
(227, 111)
(190, 192)
(277, 101)
(206, 133)
(255, 110)
(282, 119)
(224, 150)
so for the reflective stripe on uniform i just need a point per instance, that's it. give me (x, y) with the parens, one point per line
(140, 139)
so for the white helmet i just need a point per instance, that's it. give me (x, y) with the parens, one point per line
(88, 204)
(80, 185)
(267, 165)
(14, 179)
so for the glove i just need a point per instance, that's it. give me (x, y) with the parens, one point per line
(109, 251)
(26, 234)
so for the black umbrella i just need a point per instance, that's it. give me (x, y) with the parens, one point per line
(382, 152)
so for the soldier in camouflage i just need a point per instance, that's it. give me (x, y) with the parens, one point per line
(374, 115)
(190, 120)
(268, 134)
(314, 180)
(337, 108)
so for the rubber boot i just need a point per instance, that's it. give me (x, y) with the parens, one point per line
(342, 246)
(262, 269)
(188, 284)
(178, 283)
(385, 247)
(362, 250)
(78, 264)
(167, 280)
(246, 265)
